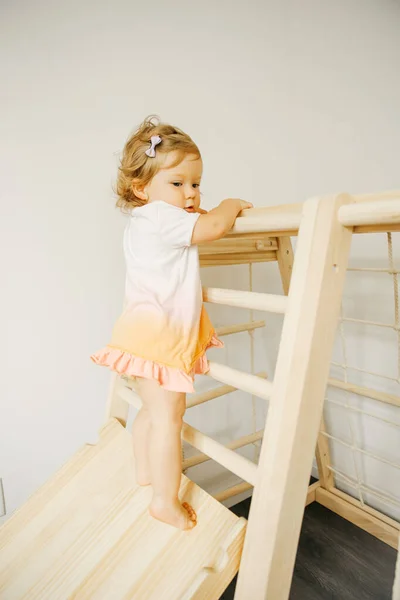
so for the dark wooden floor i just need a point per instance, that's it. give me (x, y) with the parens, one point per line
(335, 560)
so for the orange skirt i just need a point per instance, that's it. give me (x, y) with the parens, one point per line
(170, 378)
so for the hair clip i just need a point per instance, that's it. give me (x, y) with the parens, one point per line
(155, 140)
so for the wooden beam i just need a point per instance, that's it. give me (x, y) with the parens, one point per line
(255, 300)
(378, 212)
(364, 507)
(377, 228)
(366, 392)
(296, 403)
(358, 516)
(261, 243)
(322, 452)
(243, 487)
(237, 259)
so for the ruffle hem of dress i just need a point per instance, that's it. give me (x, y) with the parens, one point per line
(170, 378)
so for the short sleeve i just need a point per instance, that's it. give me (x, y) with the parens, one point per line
(175, 225)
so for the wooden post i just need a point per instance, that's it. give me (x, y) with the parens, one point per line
(296, 403)
(285, 258)
(323, 457)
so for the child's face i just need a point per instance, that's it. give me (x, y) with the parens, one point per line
(179, 185)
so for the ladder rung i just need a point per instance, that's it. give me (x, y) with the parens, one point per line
(270, 302)
(241, 466)
(245, 440)
(232, 491)
(216, 392)
(243, 381)
(267, 220)
(228, 329)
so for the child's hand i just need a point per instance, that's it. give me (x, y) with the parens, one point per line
(245, 204)
(201, 211)
(218, 221)
(241, 204)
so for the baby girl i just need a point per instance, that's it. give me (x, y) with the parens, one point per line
(163, 333)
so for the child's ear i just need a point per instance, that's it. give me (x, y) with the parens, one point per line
(140, 192)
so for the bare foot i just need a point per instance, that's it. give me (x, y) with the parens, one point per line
(179, 515)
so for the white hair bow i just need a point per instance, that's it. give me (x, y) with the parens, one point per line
(155, 140)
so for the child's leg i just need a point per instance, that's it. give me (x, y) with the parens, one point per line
(140, 434)
(166, 410)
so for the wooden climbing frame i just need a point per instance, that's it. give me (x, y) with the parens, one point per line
(312, 284)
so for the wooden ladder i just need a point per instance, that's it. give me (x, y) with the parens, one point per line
(296, 395)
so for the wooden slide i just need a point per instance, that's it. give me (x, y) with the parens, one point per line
(87, 534)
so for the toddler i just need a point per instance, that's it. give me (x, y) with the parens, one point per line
(164, 330)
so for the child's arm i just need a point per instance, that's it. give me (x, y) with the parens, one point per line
(218, 221)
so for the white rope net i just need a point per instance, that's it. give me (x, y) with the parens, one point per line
(364, 431)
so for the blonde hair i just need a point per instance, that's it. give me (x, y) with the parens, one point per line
(138, 169)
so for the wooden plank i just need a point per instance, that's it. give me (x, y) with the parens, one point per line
(237, 259)
(276, 233)
(261, 243)
(358, 516)
(88, 531)
(258, 301)
(296, 404)
(249, 236)
(377, 228)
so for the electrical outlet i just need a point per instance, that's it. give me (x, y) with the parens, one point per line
(2, 500)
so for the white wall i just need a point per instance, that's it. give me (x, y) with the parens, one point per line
(285, 100)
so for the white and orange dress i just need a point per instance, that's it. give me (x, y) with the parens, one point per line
(164, 330)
